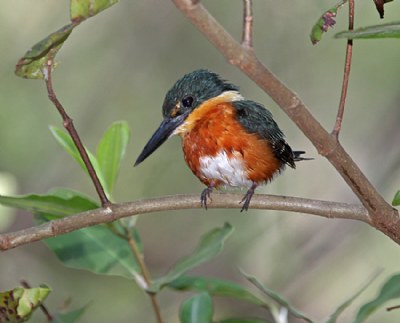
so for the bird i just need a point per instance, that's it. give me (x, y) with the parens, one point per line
(227, 140)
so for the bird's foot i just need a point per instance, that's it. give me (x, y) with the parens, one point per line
(206, 193)
(247, 198)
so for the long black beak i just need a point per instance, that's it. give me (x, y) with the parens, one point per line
(163, 132)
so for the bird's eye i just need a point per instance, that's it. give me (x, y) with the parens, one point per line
(187, 101)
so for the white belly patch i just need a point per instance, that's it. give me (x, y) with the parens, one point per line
(231, 171)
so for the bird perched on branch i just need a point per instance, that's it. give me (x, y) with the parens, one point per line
(227, 140)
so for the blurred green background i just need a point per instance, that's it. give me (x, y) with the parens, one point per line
(118, 66)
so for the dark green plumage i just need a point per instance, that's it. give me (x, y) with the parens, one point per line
(258, 120)
(200, 85)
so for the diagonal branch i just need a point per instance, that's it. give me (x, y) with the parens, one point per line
(383, 216)
(69, 125)
(179, 202)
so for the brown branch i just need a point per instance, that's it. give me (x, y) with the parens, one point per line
(247, 36)
(145, 272)
(393, 308)
(383, 216)
(179, 202)
(69, 125)
(346, 74)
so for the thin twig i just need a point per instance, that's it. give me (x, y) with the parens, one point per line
(145, 272)
(44, 309)
(247, 36)
(346, 74)
(393, 308)
(179, 202)
(383, 216)
(69, 125)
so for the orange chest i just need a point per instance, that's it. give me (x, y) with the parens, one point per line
(220, 151)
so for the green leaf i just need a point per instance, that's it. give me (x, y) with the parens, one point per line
(95, 249)
(277, 298)
(197, 309)
(70, 316)
(326, 20)
(210, 245)
(396, 199)
(333, 318)
(56, 203)
(19, 303)
(33, 64)
(390, 290)
(111, 151)
(83, 9)
(66, 142)
(215, 287)
(391, 30)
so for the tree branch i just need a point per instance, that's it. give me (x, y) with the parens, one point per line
(179, 202)
(69, 125)
(346, 74)
(247, 36)
(383, 216)
(145, 273)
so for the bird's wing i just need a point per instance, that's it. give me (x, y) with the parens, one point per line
(258, 120)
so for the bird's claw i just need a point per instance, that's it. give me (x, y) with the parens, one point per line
(206, 193)
(247, 198)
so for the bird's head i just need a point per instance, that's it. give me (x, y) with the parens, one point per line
(187, 94)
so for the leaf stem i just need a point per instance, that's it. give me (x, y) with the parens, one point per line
(247, 36)
(346, 74)
(145, 272)
(69, 125)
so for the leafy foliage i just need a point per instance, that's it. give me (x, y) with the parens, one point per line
(110, 152)
(17, 305)
(81, 10)
(389, 291)
(70, 316)
(215, 287)
(197, 309)
(96, 249)
(277, 298)
(334, 316)
(209, 246)
(391, 30)
(33, 65)
(396, 199)
(323, 23)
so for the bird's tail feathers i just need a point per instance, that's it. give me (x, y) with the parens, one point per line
(297, 156)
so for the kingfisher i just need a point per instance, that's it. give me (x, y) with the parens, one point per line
(227, 140)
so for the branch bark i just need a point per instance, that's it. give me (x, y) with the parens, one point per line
(383, 216)
(179, 202)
